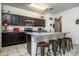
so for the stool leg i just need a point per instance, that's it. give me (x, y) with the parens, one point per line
(60, 46)
(71, 44)
(42, 51)
(63, 50)
(55, 49)
(59, 49)
(66, 45)
(48, 53)
(63, 47)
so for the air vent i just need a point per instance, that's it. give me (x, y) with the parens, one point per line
(51, 8)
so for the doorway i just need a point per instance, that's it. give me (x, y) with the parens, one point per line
(58, 24)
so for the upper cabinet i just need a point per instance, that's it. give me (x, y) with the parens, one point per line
(13, 19)
(22, 20)
(39, 22)
(6, 17)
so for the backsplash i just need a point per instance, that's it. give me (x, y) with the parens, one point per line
(22, 27)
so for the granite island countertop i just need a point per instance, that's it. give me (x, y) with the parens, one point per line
(45, 33)
(10, 31)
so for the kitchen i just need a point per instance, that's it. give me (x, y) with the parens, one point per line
(18, 20)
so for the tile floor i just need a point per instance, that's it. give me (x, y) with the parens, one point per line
(16, 50)
(21, 50)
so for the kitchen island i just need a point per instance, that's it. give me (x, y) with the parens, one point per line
(34, 38)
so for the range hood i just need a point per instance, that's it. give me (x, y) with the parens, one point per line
(29, 20)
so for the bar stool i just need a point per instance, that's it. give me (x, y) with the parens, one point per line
(42, 45)
(63, 44)
(54, 47)
(70, 44)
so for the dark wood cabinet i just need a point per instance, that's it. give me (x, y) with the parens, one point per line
(13, 38)
(42, 23)
(21, 20)
(11, 19)
(15, 19)
(6, 17)
(22, 37)
(39, 23)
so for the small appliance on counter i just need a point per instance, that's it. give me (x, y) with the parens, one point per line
(41, 30)
(28, 29)
(16, 30)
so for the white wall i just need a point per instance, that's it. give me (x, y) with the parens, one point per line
(0, 25)
(69, 23)
(48, 22)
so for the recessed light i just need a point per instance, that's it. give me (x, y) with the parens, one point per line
(37, 6)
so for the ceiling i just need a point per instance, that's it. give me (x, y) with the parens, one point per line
(51, 7)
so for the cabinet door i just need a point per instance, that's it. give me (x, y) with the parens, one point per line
(42, 23)
(7, 39)
(39, 22)
(22, 20)
(6, 17)
(3, 39)
(15, 20)
(22, 37)
(36, 22)
(15, 37)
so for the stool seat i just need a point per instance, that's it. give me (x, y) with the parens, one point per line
(67, 38)
(42, 44)
(59, 40)
(51, 41)
(65, 43)
(54, 47)
(62, 44)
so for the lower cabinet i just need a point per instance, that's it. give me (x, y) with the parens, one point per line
(12, 38)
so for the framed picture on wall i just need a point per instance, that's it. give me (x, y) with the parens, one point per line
(77, 21)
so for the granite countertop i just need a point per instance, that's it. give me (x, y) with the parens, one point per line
(6, 31)
(43, 33)
(46, 33)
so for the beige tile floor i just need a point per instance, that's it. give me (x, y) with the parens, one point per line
(16, 50)
(21, 50)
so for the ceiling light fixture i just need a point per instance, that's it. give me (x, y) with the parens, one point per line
(37, 6)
